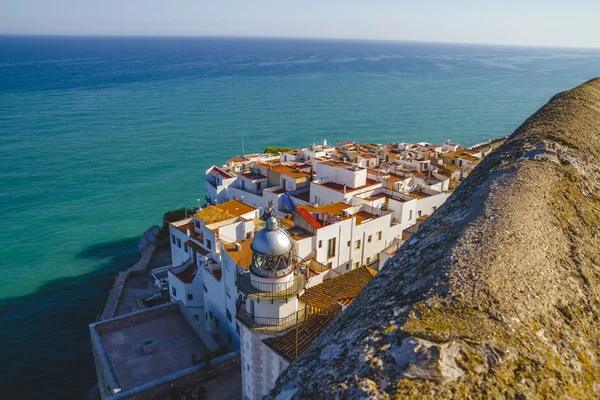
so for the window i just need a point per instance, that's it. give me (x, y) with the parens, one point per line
(195, 316)
(185, 247)
(248, 367)
(419, 213)
(248, 235)
(349, 243)
(197, 223)
(356, 265)
(379, 235)
(228, 315)
(205, 288)
(229, 337)
(357, 244)
(370, 238)
(174, 291)
(190, 297)
(331, 247)
(178, 242)
(368, 260)
(409, 215)
(320, 243)
(217, 322)
(208, 244)
(210, 314)
(227, 291)
(206, 316)
(173, 239)
(258, 187)
(237, 328)
(347, 266)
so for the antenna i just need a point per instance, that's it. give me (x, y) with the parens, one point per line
(243, 152)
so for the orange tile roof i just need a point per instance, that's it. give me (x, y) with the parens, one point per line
(348, 299)
(290, 171)
(362, 216)
(243, 256)
(418, 195)
(324, 296)
(236, 159)
(213, 214)
(307, 332)
(235, 207)
(334, 208)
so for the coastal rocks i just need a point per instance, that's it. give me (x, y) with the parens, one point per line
(421, 359)
(149, 237)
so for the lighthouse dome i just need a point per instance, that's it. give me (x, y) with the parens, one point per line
(271, 241)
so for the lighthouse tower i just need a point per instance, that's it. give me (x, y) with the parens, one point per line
(267, 304)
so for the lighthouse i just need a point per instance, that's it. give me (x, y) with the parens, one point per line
(267, 304)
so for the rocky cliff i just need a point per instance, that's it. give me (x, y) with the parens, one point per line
(498, 293)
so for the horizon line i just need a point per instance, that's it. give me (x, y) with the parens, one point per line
(315, 38)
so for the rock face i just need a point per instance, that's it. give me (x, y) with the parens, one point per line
(498, 293)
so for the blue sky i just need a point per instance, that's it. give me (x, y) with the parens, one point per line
(525, 22)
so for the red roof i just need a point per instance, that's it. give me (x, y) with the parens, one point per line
(237, 159)
(309, 218)
(220, 172)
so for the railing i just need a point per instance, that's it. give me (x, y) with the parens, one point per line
(272, 291)
(270, 324)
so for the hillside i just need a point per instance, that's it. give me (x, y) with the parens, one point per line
(498, 293)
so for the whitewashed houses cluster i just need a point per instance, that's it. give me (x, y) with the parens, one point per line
(288, 240)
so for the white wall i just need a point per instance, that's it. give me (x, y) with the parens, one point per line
(322, 195)
(426, 205)
(275, 365)
(214, 302)
(251, 199)
(182, 290)
(254, 364)
(341, 175)
(178, 253)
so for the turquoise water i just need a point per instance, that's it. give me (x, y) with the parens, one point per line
(100, 136)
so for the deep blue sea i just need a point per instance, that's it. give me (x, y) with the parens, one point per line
(100, 136)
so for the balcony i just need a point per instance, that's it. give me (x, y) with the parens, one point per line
(269, 324)
(272, 291)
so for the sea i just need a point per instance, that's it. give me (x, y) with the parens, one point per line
(99, 136)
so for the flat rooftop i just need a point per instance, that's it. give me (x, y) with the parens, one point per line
(171, 327)
(340, 188)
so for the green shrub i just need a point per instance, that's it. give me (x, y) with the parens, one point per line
(276, 150)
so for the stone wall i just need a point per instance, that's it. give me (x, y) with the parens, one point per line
(147, 247)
